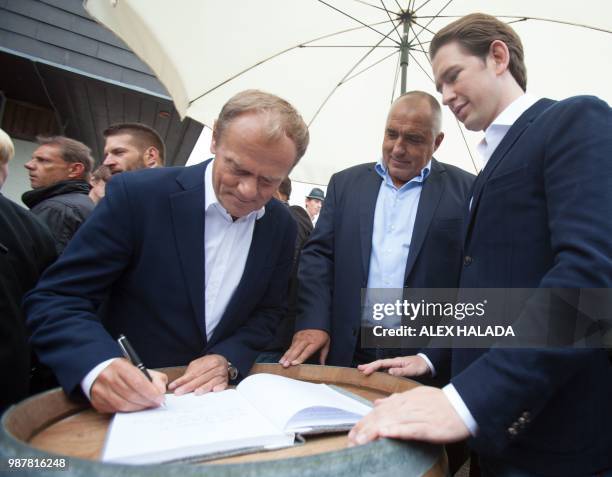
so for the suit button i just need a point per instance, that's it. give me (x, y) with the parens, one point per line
(467, 260)
(526, 416)
(512, 431)
(522, 421)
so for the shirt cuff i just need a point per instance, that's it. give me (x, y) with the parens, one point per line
(432, 368)
(90, 377)
(464, 413)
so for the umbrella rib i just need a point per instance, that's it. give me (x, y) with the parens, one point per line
(423, 28)
(552, 20)
(342, 81)
(358, 21)
(329, 35)
(391, 20)
(282, 52)
(421, 6)
(420, 66)
(399, 6)
(369, 67)
(467, 146)
(420, 44)
(518, 18)
(373, 6)
(436, 15)
(397, 69)
(346, 46)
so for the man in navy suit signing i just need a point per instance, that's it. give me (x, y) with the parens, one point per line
(191, 264)
(539, 219)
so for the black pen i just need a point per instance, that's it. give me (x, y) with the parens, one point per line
(132, 356)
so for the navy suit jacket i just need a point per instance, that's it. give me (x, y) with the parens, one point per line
(141, 252)
(335, 262)
(540, 218)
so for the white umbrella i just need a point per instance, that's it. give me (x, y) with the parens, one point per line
(320, 56)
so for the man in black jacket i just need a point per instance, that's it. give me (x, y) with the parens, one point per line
(59, 173)
(26, 248)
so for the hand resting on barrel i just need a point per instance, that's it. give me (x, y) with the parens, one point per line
(408, 366)
(305, 343)
(205, 374)
(423, 413)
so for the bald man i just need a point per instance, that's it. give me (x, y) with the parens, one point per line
(394, 223)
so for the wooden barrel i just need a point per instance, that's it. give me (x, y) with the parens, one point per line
(50, 426)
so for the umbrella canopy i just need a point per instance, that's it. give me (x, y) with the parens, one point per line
(341, 62)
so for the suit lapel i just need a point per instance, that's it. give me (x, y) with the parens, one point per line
(368, 194)
(263, 233)
(513, 134)
(187, 210)
(428, 203)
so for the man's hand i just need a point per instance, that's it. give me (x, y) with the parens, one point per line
(423, 414)
(305, 343)
(123, 387)
(401, 366)
(208, 373)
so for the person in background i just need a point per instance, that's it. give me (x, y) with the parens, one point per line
(285, 329)
(314, 202)
(26, 248)
(59, 176)
(132, 146)
(98, 181)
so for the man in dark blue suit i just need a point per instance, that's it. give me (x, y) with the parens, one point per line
(539, 218)
(391, 224)
(191, 264)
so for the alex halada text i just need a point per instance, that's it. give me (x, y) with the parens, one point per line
(442, 330)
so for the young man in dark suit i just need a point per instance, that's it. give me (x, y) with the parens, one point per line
(539, 218)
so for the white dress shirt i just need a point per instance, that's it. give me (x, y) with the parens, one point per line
(226, 247)
(494, 135)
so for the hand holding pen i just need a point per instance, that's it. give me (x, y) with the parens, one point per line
(120, 387)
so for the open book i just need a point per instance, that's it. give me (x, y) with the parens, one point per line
(265, 411)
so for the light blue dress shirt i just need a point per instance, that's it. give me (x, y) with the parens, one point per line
(394, 217)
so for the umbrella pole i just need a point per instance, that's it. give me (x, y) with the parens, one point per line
(404, 47)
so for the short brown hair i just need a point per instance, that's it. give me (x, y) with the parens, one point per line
(71, 150)
(102, 173)
(282, 117)
(475, 33)
(285, 187)
(144, 135)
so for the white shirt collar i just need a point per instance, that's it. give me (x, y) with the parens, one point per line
(210, 198)
(502, 123)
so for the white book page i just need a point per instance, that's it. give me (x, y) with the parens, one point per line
(281, 398)
(190, 425)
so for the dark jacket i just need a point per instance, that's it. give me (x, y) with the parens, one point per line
(335, 262)
(143, 249)
(26, 248)
(64, 206)
(540, 219)
(286, 327)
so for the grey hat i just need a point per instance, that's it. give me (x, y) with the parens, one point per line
(316, 193)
